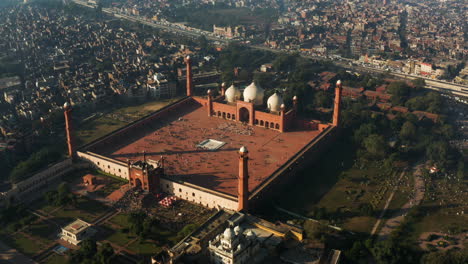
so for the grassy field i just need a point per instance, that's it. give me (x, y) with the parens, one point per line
(56, 259)
(444, 199)
(339, 191)
(147, 248)
(85, 209)
(105, 124)
(24, 244)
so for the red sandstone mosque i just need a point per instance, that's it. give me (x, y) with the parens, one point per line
(229, 151)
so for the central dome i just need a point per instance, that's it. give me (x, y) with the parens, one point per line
(254, 93)
(232, 94)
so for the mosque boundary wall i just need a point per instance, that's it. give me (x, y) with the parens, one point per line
(288, 171)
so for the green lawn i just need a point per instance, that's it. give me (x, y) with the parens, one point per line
(334, 184)
(23, 244)
(120, 220)
(118, 237)
(148, 248)
(56, 259)
(105, 124)
(86, 209)
(97, 128)
(440, 206)
(44, 230)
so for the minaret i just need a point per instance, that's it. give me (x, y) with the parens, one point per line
(243, 181)
(295, 104)
(336, 111)
(282, 113)
(188, 63)
(223, 89)
(210, 103)
(68, 127)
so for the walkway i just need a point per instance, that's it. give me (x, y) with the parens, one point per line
(415, 199)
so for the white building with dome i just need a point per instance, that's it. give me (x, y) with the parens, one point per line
(234, 247)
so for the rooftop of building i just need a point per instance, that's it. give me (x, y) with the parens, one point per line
(77, 226)
(177, 138)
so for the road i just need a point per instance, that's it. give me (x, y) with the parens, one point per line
(441, 86)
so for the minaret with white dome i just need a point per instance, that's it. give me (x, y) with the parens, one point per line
(243, 180)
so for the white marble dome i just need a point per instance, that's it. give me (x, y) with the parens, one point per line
(254, 93)
(228, 234)
(237, 230)
(274, 102)
(232, 94)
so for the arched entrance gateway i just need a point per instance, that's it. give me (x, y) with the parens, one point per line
(138, 183)
(244, 115)
(145, 175)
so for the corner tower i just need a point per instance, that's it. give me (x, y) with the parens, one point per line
(337, 109)
(188, 64)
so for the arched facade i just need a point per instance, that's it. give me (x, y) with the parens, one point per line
(244, 115)
(145, 176)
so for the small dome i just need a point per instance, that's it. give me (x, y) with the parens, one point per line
(243, 149)
(228, 233)
(232, 94)
(66, 105)
(254, 93)
(338, 82)
(237, 230)
(239, 247)
(274, 102)
(250, 234)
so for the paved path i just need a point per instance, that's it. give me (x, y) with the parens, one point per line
(384, 210)
(415, 199)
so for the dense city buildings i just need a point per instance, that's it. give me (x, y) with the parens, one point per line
(402, 35)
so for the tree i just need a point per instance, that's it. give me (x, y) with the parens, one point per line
(186, 230)
(88, 247)
(364, 131)
(358, 253)
(399, 90)
(447, 257)
(105, 255)
(419, 83)
(375, 145)
(321, 99)
(408, 131)
(461, 169)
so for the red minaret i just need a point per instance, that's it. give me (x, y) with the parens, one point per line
(210, 103)
(188, 63)
(282, 113)
(68, 127)
(336, 111)
(243, 187)
(295, 104)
